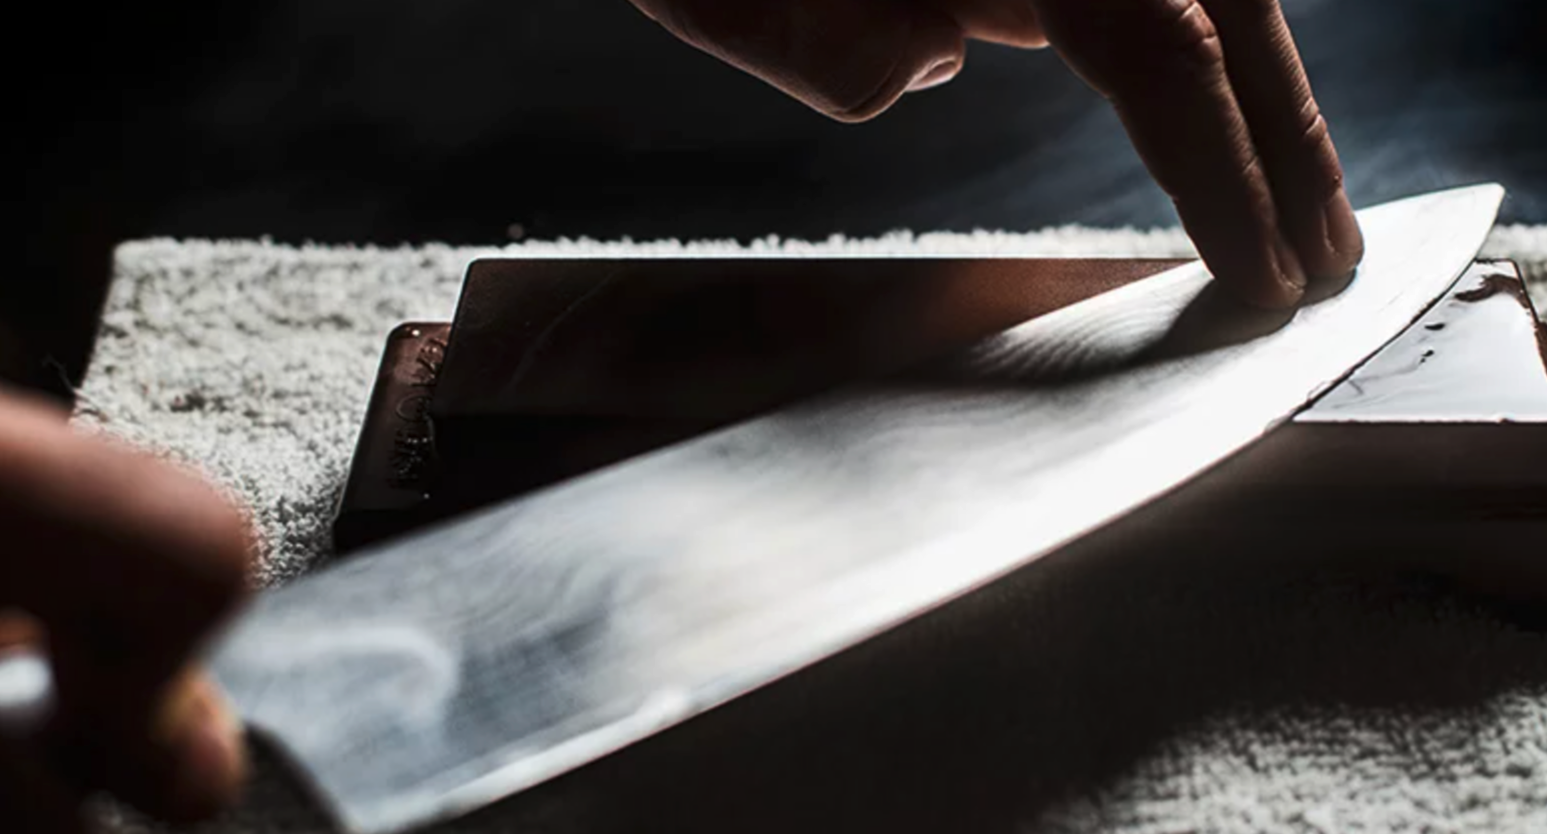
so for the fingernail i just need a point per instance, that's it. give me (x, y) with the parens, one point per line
(935, 75)
(1290, 272)
(180, 709)
(210, 760)
(1331, 244)
(1344, 237)
(216, 750)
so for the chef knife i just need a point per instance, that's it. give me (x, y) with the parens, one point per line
(449, 669)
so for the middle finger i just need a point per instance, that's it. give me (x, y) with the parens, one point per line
(1290, 133)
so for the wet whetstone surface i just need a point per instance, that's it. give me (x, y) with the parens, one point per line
(555, 369)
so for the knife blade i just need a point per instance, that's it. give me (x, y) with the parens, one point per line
(444, 671)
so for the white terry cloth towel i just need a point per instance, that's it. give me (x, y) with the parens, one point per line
(1404, 710)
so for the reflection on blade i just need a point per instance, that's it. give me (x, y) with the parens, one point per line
(453, 668)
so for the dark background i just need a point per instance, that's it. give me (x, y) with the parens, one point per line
(410, 120)
(479, 121)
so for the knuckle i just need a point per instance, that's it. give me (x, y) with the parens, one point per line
(866, 85)
(1130, 48)
(1312, 147)
(858, 102)
(1188, 39)
(1250, 170)
(1316, 139)
(1312, 125)
(1259, 7)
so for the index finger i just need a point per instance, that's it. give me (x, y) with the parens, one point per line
(1162, 65)
(126, 563)
(128, 559)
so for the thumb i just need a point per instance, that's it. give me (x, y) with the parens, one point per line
(187, 763)
(849, 59)
(197, 741)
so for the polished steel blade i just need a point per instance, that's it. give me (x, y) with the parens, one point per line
(450, 669)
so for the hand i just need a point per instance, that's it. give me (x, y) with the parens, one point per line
(1212, 92)
(118, 564)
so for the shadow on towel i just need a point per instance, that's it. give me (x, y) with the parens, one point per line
(1050, 686)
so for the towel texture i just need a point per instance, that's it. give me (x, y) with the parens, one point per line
(253, 361)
